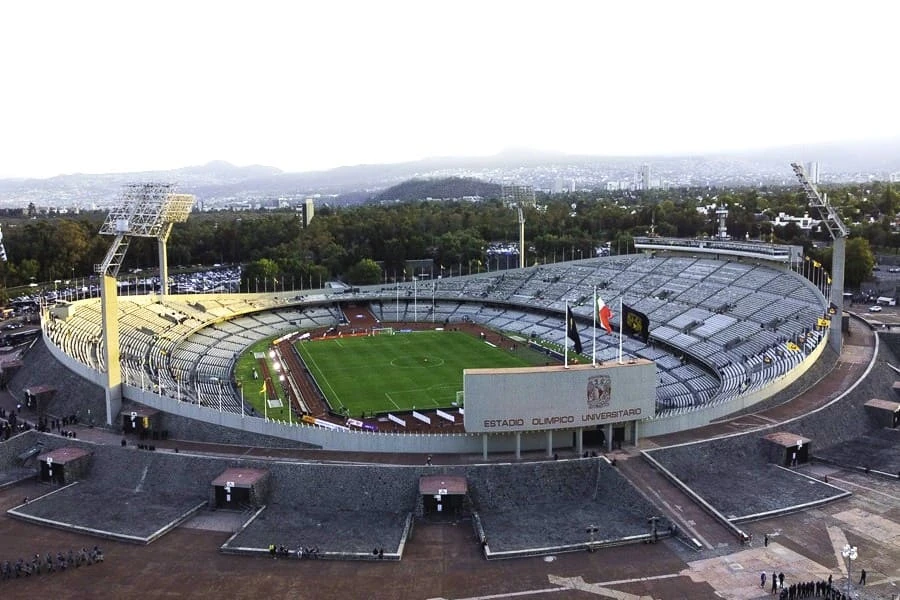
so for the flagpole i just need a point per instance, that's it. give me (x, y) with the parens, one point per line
(566, 337)
(594, 351)
(621, 329)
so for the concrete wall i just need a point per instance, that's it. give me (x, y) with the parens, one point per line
(188, 421)
(703, 417)
(196, 422)
(11, 448)
(338, 487)
(843, 419)
(79, 389)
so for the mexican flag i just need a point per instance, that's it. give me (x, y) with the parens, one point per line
(604, 314)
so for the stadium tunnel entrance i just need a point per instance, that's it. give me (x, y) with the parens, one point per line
(64, 465)
(442, 495)
(38, 397)
(607, 437)
(884, 413)
(239, 488)
(592, 437)
(788, 449)
(141, 420)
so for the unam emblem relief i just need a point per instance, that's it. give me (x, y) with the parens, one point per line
(598, 391)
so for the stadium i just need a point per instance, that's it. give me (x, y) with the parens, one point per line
(519, 441)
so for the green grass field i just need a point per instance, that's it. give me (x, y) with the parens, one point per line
(243, 374)
(421, 370)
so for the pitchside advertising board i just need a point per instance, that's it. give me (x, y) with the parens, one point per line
(535, 398)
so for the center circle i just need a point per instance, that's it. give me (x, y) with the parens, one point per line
(416, 362)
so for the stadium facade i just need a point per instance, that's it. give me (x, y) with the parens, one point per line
(731, 325)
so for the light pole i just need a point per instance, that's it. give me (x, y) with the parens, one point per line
(849, 554)
(287, 396)
(592, 531)
(654, 534)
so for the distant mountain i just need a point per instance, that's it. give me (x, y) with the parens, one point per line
(438, 189)
(219, 183)
(224, 172)
(872, 156)
(87, 190)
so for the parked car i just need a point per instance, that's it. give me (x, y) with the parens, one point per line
(875, 308)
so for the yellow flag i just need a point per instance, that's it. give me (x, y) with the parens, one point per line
(823, 322)
(793, 347)
(817, 264)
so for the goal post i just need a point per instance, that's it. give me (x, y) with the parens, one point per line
(382, 331)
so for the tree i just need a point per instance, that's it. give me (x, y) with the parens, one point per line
(887, 204)
(72, 244)
(858, 263)
(263, 271)
(365, 272)
(29, 269)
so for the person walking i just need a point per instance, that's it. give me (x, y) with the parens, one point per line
(762, 580)
(774, 583)
(862, 577)
(781, 580)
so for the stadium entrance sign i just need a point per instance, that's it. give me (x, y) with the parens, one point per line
(540, 398)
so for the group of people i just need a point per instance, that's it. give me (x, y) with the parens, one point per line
(806, 589)
(58, 424)
(13, 423)
(49, 564)
(301, 552)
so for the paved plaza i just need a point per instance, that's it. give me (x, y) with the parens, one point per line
(444, 560)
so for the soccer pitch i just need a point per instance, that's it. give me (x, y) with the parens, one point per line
(419, 370)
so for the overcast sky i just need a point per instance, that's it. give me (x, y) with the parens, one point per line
(95, 87)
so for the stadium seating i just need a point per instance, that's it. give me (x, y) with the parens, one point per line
(719, 329)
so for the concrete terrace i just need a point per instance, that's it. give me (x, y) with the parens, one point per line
(802, 545)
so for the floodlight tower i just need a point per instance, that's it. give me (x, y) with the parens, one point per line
(146, 210)
(722, 216)
(838, 230)
(519, 196)
(521, 237)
